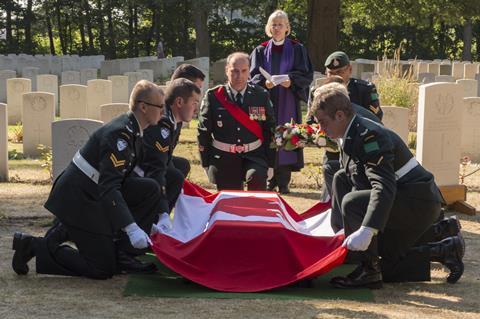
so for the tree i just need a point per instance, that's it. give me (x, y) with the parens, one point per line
(323, 18)
(202, 10)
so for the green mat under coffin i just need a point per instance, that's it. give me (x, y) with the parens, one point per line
(166, 283)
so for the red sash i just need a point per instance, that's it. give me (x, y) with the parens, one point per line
(238, 114)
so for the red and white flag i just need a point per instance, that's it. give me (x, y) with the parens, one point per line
(247, 241)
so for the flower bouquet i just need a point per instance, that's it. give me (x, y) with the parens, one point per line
(291, 136)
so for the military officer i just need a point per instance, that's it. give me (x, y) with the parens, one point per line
(182, 98)
(99, 206)
(388, 201)
(194, 74)
(235, 130)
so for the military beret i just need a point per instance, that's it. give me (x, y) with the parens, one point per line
(337, 60)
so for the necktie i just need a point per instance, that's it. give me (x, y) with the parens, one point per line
(238, 99)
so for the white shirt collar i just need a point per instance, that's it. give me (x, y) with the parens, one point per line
(172, 118)
(139, 126)
(341, 141)
(234, 92)
(278, 42)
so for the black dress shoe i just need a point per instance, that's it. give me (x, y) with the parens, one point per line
(447, 227)
(271, 184)
(366, 275)
(22, 244)
(450, 252)
(284, 190)
(127, 263)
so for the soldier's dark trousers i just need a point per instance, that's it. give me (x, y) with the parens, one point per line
(232, 171)
(403, 229)
(182, 164)
(175, 178)
(95, 254)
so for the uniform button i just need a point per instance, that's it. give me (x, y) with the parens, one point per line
(238, 129)
(238, 141)
(133, 154)
(219, 115)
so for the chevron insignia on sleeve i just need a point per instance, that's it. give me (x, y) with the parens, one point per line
(115, 161)
(377, 163)
(161, 148)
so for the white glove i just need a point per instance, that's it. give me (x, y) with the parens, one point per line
(360, 239)
(138, 238)
(164, 224)
(270, 173)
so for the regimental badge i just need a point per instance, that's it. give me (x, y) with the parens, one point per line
(165, 132)
(336, 62)
(121, 144)
(219, 123)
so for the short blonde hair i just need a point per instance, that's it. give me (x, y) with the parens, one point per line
(142, 91)
(277, 14)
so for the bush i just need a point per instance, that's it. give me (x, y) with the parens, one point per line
(46, 158)
(16, 133)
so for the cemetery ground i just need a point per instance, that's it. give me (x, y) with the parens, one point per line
(40, 296)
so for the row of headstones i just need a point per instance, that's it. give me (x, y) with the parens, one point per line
(50, 64)
(76, 101)
(38, 111)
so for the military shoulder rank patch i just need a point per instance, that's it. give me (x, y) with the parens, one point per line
(374, 109)
(116, 162)
(376, 163)
(121, 144)
(165, 132)
(161, 148)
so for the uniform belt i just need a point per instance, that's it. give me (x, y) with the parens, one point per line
(411, 164)
(234, 148)
(85, 167)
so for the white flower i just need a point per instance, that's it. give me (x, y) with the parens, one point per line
(321, 141)
(279, 141)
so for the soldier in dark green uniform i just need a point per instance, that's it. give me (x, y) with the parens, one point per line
(99, 205)
(388, 201)
(182, 98)
(235, 130)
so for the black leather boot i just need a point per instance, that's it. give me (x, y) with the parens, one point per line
(24, 251)
(449, 252)
(367, 275)
(127, 263)
(446, 228)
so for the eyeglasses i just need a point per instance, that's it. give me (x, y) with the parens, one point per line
(161, 106)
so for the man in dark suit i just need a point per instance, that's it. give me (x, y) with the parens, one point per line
(182, 98)
(99, 206)
(387, 202)
(235, 130)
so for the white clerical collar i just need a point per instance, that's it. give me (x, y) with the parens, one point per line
(278, 42)
(342, 140)
(234, 92)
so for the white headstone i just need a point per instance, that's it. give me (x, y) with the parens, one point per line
(446, 68)
(111, 111)
(98, 92)
(38, 115)
(49, 83)
(439, 130)
(218, 71)
(147, 74)
(469, 86)
(367, 76)
(469, 70)
(133, 78)
(434, 68)
(119, 88)
(86, 75)
(470, 141)
(422, 67)
(70, 77)
(396, 119)
(457, 70)
(3, 143)
(68, 136)
(444, 78)
(425, 78)
(31, 73)
(15, 89)
(73, 101)
(4, 75)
